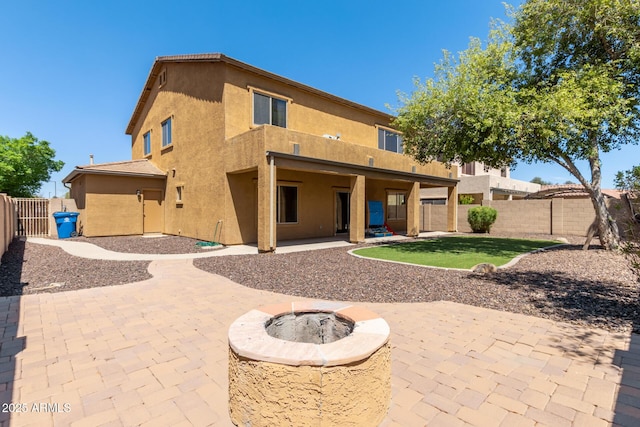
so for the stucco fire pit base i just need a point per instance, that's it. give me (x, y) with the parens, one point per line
(274, 381)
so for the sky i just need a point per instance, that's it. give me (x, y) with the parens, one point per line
(71, 71)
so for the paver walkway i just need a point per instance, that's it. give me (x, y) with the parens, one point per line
(155, 353)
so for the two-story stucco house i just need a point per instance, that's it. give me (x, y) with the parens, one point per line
(483, 183)
(218, 144)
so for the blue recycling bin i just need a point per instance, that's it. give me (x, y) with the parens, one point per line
(66, 224)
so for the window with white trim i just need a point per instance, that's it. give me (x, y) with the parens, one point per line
(166, 133)
(269, 110)
(179, 194)
(390, 141)
(287, 204)
(396, 205)
(147, 143)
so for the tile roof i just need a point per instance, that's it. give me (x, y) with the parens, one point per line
(568, 190)
(142, 167)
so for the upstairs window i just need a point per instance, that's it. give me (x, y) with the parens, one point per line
(268, 110)
(166, 133)
(390, 141)
(162, 78)
(147, 143)
(469, 168)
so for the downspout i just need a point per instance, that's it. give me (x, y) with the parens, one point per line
(271, 201)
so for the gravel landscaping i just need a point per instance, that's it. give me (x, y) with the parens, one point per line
(29, 268)
(594, 287)
(144, 245)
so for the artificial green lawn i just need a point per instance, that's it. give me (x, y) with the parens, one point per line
(456, 252)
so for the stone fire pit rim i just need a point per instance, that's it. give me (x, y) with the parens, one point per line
(248, 336)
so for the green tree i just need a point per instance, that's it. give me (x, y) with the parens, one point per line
(559, 85)
(25, 163)
(628, 180)
(538, 180)
(466, 199)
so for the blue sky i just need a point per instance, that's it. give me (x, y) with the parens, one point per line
(72, 71)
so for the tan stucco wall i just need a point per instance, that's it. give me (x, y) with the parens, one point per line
(59, 205)
(192, 97)
(79, 195)
(316, 204)
(243, 152)
(271, 394)
(377, 190)
(307, 112)
(111, 206)
(217, 155)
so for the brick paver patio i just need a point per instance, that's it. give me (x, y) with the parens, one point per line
(155, 353)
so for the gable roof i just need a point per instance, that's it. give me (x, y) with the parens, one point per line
(219, 57)
(140, 168)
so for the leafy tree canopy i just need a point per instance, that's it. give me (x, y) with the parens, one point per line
(25, 163)
(538, 180)
(628, 180)
(559, 84)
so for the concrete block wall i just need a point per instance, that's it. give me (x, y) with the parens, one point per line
(554, 216)
(433, 217)
(463, 212)
(531, 216)
(575, 218)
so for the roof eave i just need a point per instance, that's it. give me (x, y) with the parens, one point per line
(78, 172)
(219, 57)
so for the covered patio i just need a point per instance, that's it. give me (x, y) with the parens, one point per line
(290, 185)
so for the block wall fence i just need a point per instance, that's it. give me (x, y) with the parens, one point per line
(550, 216)
(7, 222)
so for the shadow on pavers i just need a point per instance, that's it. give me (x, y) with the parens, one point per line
(590, 300)
(10, 344)
(627, 406)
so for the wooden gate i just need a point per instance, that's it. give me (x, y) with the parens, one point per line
(33, 217)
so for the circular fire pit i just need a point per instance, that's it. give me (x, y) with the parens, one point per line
(309, 363)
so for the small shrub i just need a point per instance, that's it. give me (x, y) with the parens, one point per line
(466, 199)
(482, 218)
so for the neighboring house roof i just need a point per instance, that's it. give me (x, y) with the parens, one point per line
(219, 57)
(139, 168)
(568, 190)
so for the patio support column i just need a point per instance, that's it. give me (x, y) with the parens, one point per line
(357, 211)
(266, 205)
(413, 210)
(452, 208)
